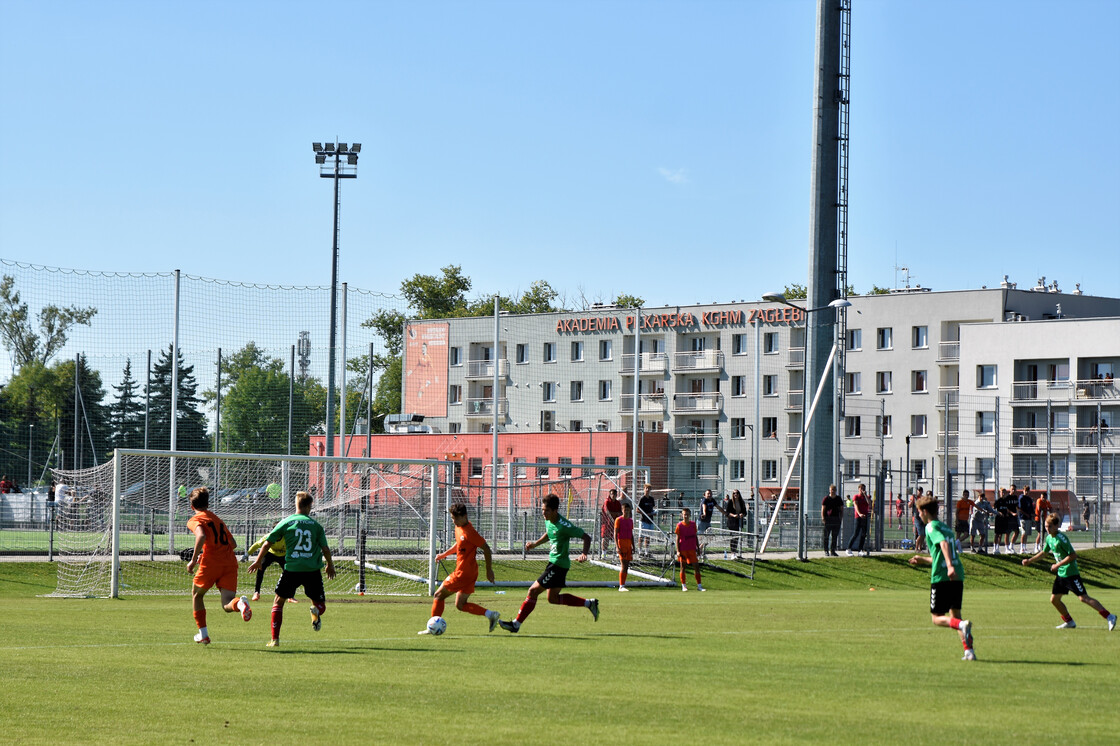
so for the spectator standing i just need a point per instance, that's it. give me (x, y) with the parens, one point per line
(1004, 506)
(1041, 511)
(832, 516)
(1088, 513)
(708, 507)
(1026, 520)
(858, 540)
(612, 509)
(647, 510)
(981, 518)
(964, 513)
(916, 519)
(735, 508)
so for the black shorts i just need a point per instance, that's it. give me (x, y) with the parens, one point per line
(312, 582)
(945, 595)
(962, 527)
(1072, 584)
(553, 576)
(1001, 525)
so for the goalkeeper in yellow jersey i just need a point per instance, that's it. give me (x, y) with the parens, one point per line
(274, 556)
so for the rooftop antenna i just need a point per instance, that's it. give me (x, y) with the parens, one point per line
(898, 269)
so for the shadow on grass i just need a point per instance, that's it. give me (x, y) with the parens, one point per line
(1038, 663)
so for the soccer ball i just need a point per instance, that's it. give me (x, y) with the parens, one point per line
(437, 625)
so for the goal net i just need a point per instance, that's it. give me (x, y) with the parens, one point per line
(121, 528)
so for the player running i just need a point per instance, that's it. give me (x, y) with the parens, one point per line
(306, 544)
(688, 543)
(1068, 576)
(217, 563)
(461, 582)
(946, 574)
(624, 540)
(558, 532)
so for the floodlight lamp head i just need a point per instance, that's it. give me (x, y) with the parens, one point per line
(328, 147)
(352, 159)
(356, 147)
(317, 147)
(320, 158)
(774, 297)
(342, 147)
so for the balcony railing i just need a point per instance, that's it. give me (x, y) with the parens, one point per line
(951, 438)
(699, 444)
(1035, 437)
(1089, 437)
(791, 441)
(652, 362)
(685, 362)
(794, 399)
(948, 396)
(796, 357)
(485, 407)
(948, 351)
(485, 368)
(1097, 388)
(688, 403)
(648, 404)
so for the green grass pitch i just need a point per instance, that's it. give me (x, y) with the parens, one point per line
(806, 653)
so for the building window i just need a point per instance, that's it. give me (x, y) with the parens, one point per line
(519, 469)
(918, 425)
(454, 394)
(918, 469)
(918, 383)
(577, 352)
(884, 425)
(884, 338)
(549, 355)
(611, 461)
(986, 469)
(985, 423)
(522, 354)
(738, 385)
(769, 470)
(769, 385)
(854, 384)
(474, 467)
(852, 427)
(455, 356)
(738, 344)
(577, 390)
(770, 343)
(738, 470)
(883, 382)
(770, 427)
(454, 427)
(605, 349)
(604, 390)
(565, 469)
(575, 426)
(855, 339)
(851, 469)
(549, 391)
(1058, 372)
(921, 337)
(542, 471)
(586, 461)
(738, 428)
(985, 376)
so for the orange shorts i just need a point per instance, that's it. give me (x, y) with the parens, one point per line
(626, 549)
(688, 558)
(457, 582)
(223, 576)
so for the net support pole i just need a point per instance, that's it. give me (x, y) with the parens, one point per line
(115, 578)
(342, 383)
(434, 507)
(172, 492)
(494, 424)
(637, 405)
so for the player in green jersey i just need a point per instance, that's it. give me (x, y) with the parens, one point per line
(558, 532)
(1068, 576)
(946, 582)
(305, 549)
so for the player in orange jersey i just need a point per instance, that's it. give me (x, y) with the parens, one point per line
(216, 561)
(624, 540)
(461, 582)
(687, 546)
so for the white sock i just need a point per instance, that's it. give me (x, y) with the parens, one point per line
(204, 631)
(241, 604)
(587, 602)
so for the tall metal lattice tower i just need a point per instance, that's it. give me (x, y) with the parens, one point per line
(842, 89)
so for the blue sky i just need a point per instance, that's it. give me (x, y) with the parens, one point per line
(655, 148)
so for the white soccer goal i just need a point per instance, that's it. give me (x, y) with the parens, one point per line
(124, 531)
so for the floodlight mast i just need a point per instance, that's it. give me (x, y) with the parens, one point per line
(329, 158)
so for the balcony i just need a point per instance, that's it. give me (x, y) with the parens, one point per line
(1035, 437)
(485, 407)
(1090, 437)
(794, 400)
(695, 362)
(648, 404)
(652, 363)
(484, 369)
(949, 352)
(791, 441)
(948, 396)
(1040, 391)
(1096, 390)
(697, 403)
(699, 444)
(796, 357)
(952, 439)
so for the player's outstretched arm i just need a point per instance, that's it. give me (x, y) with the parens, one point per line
(1033, 558)
(258, 562)
(531, 545)
(921, 559)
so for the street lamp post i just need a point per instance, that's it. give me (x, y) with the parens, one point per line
(330, 157)
(835, 305)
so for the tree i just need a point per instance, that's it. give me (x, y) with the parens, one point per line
(126, 416)
(795, 292)
(625, 300)
(876, 290)
(191, 433)
(25, 345)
